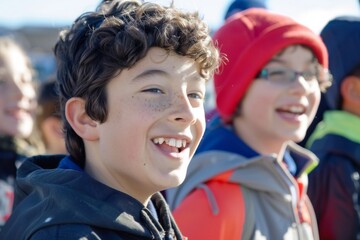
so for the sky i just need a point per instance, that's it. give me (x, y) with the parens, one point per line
(312, 13)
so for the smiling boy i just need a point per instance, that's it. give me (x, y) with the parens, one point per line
(131, 79)
(248, 179)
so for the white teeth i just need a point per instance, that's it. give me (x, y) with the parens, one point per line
(178, 143)
(296, 109)
(171, 142)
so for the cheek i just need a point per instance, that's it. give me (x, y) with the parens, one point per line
(198, 129)
(155, 105)
(257, 106)
(150, 108)
(314, 101)
(314, 98)
(202, 121)
(28, 91)
(200, 125)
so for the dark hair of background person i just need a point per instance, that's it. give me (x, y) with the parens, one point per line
(240, 5)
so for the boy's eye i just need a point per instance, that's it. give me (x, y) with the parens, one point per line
(196, 96)
(153, 90)
(277, 73)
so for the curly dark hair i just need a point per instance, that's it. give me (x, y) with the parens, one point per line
(116, 36)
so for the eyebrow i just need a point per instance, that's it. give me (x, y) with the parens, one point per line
(149, 73)
(157, 72)
(277, 60)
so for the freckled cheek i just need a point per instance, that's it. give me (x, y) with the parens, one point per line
(150, 106)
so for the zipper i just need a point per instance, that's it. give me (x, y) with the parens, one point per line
(294, 193)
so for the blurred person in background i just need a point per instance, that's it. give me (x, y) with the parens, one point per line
(48, 118)
(334, 185)
(17, 107)
(241, 5)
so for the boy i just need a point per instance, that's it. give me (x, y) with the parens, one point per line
(132, 83)
(17, 108)
(334, 186)
(248, 177)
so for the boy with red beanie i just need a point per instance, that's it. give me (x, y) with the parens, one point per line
(248, 179)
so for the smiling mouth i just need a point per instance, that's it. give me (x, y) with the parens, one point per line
(17, 113)
(296, 110)
(172, 144)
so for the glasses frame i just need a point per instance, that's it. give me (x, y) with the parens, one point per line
(322, 76)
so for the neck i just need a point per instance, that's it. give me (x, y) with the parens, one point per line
(262, 144)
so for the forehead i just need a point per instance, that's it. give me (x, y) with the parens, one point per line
(13, 61)
(293, 50)
(295, 56)
(163, 63)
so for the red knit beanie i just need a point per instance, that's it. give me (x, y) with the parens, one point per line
(250, 39)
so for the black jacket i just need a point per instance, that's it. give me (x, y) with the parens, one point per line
(55, 203)
(334, 187)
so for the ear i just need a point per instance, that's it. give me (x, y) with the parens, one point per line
(350, 89)
(81, 123)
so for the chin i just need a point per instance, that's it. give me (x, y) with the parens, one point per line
(175, 181)
(298, 137)
(25, 130)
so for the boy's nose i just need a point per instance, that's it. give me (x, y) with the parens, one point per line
(183, 111)
(301, 86)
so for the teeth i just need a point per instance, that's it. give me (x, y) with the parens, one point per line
(171, 142)
(161, 140)
(178, 143)
(296, 109)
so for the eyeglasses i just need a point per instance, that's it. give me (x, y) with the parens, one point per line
(286, 76)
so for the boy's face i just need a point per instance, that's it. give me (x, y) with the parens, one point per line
(154, 125)
(274, 112)
(17, 95)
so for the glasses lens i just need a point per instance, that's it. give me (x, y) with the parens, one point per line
(283, 76)
(287, 76)
(280, 75)
(310, 76)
